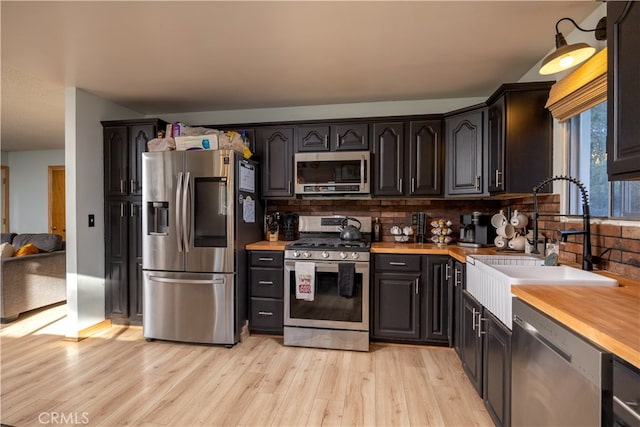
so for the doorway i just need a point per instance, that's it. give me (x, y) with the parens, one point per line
(57, 214)
(4, 199)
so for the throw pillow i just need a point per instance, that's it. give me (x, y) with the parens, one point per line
(28, 249)
(6, 250)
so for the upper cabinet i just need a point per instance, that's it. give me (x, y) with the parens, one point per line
(426, 158)
(623, 90)
(520, 137)
(275, 149)
(124, 143)
(332, 137)
(464, 152)
(408, 157)
(388, 165)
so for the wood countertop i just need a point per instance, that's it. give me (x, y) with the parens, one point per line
(609, 317)
(458, 252)
(265, 245)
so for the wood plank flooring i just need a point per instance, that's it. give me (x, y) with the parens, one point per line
(116, 378)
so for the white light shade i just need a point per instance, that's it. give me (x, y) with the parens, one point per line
(566, 57)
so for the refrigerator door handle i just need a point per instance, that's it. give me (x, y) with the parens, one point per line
(179, 239)
(189, 281)
(185, 201)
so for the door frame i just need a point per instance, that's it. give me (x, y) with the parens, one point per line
(5, 196)
(50, 193)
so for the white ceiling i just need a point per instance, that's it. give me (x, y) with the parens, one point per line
(173, 57)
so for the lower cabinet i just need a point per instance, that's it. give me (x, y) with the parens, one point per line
(496, 369)
(266, 280)
(457, 285)
(410, 300)
(485, 352)
(471, 340)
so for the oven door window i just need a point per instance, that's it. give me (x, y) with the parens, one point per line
(327, 303)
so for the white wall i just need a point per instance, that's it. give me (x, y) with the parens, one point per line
(319, 112)
(84, 185)
(28, 189)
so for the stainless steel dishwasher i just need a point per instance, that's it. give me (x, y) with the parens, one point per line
(558, 378)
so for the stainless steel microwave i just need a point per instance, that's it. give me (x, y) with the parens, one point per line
(332, 173)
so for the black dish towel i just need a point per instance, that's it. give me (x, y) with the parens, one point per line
(346, 273)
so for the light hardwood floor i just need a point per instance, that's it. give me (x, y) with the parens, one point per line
(116, 378)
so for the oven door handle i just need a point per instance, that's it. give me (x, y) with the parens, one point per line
(327, 267)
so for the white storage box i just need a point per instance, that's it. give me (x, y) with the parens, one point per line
(202, 142)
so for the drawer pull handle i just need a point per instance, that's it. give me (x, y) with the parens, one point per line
(265, 313)
(399, 264)
(265, 282)
(265, 259)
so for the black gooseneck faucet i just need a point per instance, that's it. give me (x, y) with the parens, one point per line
(587, 258)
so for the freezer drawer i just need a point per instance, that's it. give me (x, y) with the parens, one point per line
(189, 307)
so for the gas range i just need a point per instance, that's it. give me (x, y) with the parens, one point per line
(320, 241)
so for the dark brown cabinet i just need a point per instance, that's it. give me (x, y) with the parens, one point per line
(623, 90)
(485, 353)
(332, 137)
(350, 136)
(410, 299)
(124, 142)
(471, 340)
(437, 315)
(465, 137)
(457, 279)
(388, 149)
(496, 368)
(520, 137)
(275, 149)
(408, 158)
(312, 138)
(266, 281)
(426, 158)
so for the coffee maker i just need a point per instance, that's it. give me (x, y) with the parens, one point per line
(476, 230)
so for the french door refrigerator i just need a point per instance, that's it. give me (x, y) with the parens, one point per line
(200, 209)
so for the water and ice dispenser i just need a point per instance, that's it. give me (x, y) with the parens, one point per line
(158, 218)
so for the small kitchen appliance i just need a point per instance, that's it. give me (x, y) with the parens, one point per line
(419, 221)
(337, 315)
(476, 230)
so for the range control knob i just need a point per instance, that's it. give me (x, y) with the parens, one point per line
(296, 254)
(343, 255)
(355, 255)
(306, 254)
(325, 254)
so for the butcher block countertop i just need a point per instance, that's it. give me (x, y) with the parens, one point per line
(264, 245)
(458, 252)
(609, 317)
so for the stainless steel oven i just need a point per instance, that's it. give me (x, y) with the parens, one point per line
(331, 319)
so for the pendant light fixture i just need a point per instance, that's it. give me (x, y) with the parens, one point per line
(567, 55)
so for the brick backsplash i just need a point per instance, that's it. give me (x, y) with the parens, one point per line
(624, 240)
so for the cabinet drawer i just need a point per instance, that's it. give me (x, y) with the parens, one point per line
(267, 259)
(266, 315)
(388, 262)
(267, 282)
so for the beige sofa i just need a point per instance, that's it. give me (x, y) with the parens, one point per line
(32, 281)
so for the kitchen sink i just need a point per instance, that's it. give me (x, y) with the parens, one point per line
(560, 275)
(489, 279)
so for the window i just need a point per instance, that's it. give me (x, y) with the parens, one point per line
(588, 163)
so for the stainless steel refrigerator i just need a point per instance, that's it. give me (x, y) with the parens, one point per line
(200, 209)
